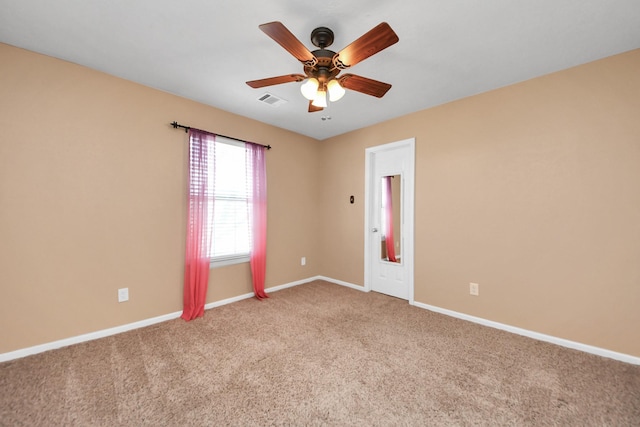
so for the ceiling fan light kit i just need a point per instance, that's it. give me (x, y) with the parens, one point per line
(309, 88)
(322, 66)
(320, 100)
(336, 92)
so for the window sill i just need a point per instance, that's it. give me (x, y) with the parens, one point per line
(222, 261)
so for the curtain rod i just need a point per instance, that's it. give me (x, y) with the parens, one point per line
(176, 125)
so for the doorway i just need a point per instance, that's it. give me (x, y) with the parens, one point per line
(389, 219)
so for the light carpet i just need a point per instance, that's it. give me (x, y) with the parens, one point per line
(318, 354)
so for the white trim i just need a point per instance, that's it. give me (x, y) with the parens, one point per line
(4, 357)
(342, 283)
(221, 261)
(291, 284)
(408, 208)
(535, 335)
(86, 337)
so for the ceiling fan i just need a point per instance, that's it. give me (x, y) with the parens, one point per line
(322, 66)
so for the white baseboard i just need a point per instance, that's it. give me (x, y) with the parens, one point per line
(147, 322)
(4, 357)
(535, 335)
(342, 283)
(86, 337)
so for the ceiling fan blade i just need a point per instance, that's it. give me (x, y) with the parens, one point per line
(281, 35)
(377, 39)
(364, 85)
(276, 80)
(313, 108)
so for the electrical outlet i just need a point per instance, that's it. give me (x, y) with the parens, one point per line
(474, 289)
(303, 260)
(123, 294)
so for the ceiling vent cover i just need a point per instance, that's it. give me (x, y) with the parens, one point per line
(272, 100)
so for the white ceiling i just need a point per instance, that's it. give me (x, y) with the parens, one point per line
(205, 50)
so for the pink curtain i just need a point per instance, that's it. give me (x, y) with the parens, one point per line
(198, 246)
(388, 213)
(256, 165)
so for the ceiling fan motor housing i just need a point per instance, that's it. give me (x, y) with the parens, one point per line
(323, 69)
(322, 37)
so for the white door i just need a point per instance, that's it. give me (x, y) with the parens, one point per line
(384, 272)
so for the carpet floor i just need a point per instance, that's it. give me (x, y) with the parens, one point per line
(318, 354)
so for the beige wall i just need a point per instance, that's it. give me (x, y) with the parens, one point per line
(532, 191)
(92, 199)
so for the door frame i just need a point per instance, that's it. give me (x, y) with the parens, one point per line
(408, 202)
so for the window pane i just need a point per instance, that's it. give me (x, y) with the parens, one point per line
(230, 227)
(229, 171)
(231, 185)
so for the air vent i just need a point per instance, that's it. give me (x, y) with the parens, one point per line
(272, 100)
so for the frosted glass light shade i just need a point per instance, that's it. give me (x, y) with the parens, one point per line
(335, 91)
(309, 88)
(320, 100)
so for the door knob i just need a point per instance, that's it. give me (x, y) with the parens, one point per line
(375, 230)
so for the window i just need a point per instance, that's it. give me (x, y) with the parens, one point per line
(229, 203)
(227, 213)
